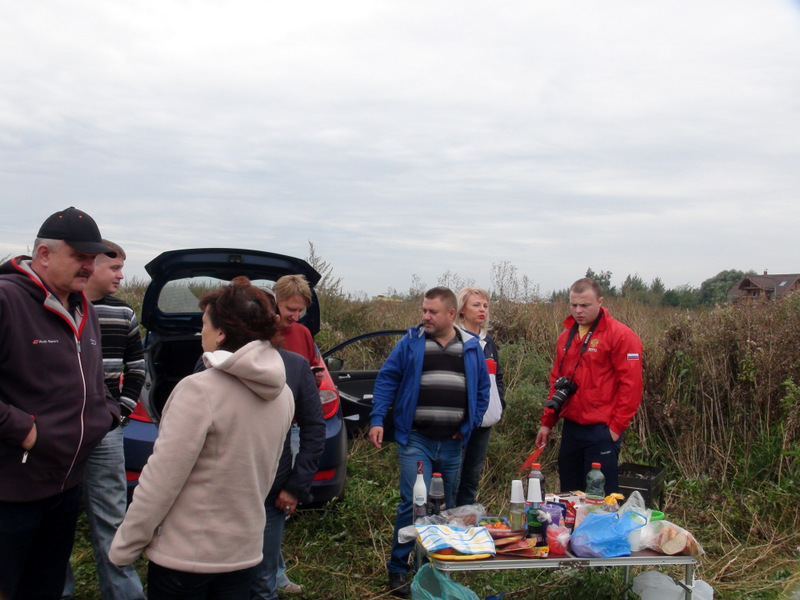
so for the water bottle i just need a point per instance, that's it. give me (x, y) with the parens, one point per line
(536, 473)
(420, 495)
(517, 510)
(595, 485)
(436, 500)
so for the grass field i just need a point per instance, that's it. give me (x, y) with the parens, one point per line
(721, 414)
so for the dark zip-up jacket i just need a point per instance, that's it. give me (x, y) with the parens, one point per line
(51, 373)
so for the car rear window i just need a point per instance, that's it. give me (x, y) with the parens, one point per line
(181, 296)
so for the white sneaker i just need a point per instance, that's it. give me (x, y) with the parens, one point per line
(291, 588)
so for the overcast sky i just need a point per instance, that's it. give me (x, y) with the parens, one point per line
(413, 138)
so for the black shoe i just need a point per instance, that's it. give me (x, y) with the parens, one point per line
(398, 585)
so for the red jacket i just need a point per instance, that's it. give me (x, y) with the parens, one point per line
(609, 375)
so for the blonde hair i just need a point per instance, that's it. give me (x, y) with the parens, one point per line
(462, 298)
(292, 285)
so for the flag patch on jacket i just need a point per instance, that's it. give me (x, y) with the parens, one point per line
(633, 356)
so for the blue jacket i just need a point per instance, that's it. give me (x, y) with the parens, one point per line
(398, 384)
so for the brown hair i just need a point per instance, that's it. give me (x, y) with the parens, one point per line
(292, 285)
(115, 251)
(584, 285)
(444, 294)
(242, 311)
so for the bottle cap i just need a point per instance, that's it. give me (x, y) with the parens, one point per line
(536, 466)
(517, 495)
(596, 465)
(535, 491)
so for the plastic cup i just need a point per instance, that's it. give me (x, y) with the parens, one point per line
(534, 491)
(517, 495)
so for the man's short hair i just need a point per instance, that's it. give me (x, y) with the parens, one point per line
(115, 251)
(292, 285)
(586, 284)
(54, 245)
(446, 295)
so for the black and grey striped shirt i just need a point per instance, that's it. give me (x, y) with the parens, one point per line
(122, 351)
(442, 401)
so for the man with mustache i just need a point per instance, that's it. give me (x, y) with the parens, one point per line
(54, 405)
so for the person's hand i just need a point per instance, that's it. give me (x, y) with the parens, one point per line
(614, 435)
(376, 436)
(318, 377)
(286, 502)
(30, 439)
(543, 436)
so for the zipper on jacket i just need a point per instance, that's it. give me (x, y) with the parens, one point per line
(83, 413)
(24, 457)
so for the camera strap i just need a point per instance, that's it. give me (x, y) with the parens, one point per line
(584, 345)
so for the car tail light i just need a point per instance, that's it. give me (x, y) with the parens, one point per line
(325, 475)
(330, 402)
(140, 414)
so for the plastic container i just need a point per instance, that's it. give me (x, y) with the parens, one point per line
(654, 585)
(436, 499)
(595, 485)
(420, 495)
(517, 509)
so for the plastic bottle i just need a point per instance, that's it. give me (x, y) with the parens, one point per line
(420, 495)
(517, 509)
(535, 528)
(436, 500)
(595, 485)
(536, 473)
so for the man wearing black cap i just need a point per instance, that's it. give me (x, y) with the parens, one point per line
(54, 405)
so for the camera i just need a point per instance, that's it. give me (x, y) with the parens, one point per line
(564, 387)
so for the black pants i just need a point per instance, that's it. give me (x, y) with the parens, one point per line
(35, 543)
(168, 584)
(582, 445)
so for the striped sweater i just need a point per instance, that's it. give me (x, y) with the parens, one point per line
(123, 358)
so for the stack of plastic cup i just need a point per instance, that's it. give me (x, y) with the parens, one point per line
(517, 505)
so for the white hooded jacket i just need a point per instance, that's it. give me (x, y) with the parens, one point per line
(199, 505)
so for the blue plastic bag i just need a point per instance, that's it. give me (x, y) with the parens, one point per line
(604, 535)
(431, 584)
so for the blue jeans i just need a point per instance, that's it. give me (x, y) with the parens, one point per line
(441, 456)
(472, 466)
(267, 575)
(105, 501)
(169, 584)
(35, 543)
(581, 445)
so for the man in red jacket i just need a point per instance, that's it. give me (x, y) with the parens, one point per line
(595, 386)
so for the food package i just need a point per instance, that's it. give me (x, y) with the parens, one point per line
(524, 548)
(668, 538)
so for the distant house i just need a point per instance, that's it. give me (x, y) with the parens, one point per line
(765, 286)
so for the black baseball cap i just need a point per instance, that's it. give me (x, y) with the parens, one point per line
(76, 228)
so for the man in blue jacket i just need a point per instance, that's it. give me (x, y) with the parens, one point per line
(438, 386)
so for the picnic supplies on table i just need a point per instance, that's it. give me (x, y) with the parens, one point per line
(465, 540)
(670, 539)
(604, 535)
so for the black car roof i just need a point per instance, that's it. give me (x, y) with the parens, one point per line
(221, 263)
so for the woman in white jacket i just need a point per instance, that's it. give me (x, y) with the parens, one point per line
(198, 511)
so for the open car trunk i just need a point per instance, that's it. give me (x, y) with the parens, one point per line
(169, 359)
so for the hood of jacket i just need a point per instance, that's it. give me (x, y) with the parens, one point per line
(256, 364)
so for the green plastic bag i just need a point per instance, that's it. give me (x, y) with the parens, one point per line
(431, 584)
